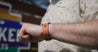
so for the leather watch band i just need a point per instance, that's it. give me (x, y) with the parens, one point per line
(46, 34)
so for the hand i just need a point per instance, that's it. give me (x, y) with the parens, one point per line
(30, 33)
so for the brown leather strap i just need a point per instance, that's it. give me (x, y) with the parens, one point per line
(46, 34)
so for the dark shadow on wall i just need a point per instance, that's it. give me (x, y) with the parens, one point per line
(68, 50)
(48, 51)
(65, 50)
(82, 49)
(54, 1)
(78, 50)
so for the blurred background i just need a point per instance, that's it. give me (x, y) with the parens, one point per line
(12, 14)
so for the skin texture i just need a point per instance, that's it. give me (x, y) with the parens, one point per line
(82, 34)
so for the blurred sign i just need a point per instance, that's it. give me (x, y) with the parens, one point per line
(8, 32)
(10, 23)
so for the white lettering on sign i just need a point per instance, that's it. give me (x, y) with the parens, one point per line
(17, 33)
(12, 37)
(4, 47)
(2, 32)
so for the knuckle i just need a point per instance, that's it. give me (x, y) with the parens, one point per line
(18, 36)
(25, 24)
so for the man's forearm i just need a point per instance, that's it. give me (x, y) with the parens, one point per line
(84, 34)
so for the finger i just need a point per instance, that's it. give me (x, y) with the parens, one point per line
(21, 32)
(25, 36)
(19, 35)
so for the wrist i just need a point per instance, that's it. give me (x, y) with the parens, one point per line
(51, 30)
